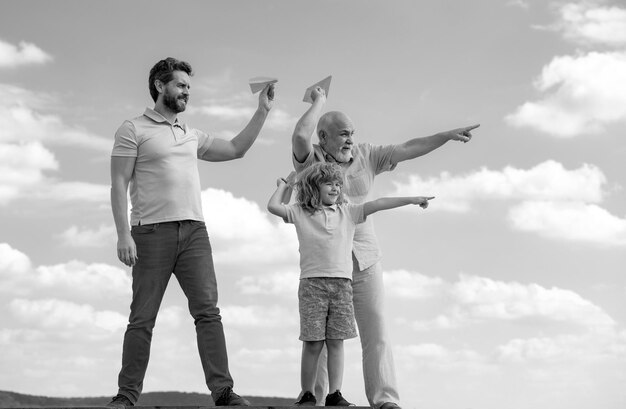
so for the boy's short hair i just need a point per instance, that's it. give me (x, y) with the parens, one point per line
(163, 71)
(311, 178)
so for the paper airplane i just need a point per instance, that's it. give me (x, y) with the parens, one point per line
(258, 83)
(325, 84)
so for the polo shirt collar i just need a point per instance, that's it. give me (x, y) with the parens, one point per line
(156, 117)
(332, 207)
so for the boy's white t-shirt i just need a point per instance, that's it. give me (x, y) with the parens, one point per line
(325, 238)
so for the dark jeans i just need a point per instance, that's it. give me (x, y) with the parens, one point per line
(181, 248)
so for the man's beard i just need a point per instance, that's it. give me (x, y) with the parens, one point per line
(175, 103)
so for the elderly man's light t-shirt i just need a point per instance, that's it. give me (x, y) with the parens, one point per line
(165, 185)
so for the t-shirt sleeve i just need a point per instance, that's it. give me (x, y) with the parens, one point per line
(292, 212)
(356, 212)
(300, 166)
(204, 142)
(380, 158)
(125, 141)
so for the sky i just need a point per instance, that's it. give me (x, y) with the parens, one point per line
(507, 292)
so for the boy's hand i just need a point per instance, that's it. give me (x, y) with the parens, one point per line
(422, 201)
(291, 178)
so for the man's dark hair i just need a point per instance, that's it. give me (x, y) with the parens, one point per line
(163, 70)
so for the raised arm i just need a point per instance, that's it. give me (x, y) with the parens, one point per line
(281, 196)
(223, 150)
(301, 140)
(385, 203)
(121, 172)
(416, 147)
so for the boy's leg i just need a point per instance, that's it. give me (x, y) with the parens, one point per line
(321, 380)
(335, 363)
(156, 250)
(196, 275)
(313, 304)
(378, 366)
(308, 368)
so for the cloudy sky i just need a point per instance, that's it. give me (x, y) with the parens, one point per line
(509, 291)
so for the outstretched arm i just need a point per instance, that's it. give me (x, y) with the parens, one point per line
(301, 140)
(281, 196)
(222, 150)
(415, 147)
(385, 203)
(121, 172)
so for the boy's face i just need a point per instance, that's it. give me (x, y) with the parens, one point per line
(329, 192)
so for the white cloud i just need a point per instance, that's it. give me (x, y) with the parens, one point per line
(474, 299)
(406, 284)
(12, 261)
(281, 283)
(22, 168)
(523, 4)
(60, 316)
(590, 347)
(74, 279)
(589, 23)
(103, 236)
(569, 220)
(258, 316)
(12, 56)
(546, 181)
(23, 119)
(441, 358)
(242, 233)
(583, 95)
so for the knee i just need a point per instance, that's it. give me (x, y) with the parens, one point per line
(313, 347)
(334, 346)
(209, 314)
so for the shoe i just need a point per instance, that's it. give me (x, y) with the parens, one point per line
(389, 405)
(335, 399)
(307, 399)
(120, 402)
(230, 398)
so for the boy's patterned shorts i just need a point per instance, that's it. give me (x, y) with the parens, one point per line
(326, 310)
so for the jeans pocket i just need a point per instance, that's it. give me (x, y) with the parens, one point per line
(145, 228)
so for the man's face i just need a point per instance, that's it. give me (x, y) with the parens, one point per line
(338, 139)
(176, 92)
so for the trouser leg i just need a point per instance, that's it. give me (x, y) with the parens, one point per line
(378, 366)
(196, 275)
(156, 251)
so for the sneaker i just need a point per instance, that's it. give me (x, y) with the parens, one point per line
(230, 398)
(120, 402)
(335, 399)
(390, 405)
(307, 399)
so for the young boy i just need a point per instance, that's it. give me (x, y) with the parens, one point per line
(325, 225)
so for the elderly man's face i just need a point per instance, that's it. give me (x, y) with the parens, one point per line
(338, 138)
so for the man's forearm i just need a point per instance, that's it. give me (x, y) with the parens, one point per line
(119, 206)
(244, 140)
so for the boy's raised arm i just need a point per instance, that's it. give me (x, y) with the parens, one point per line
(385, 203)
(280, 197)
